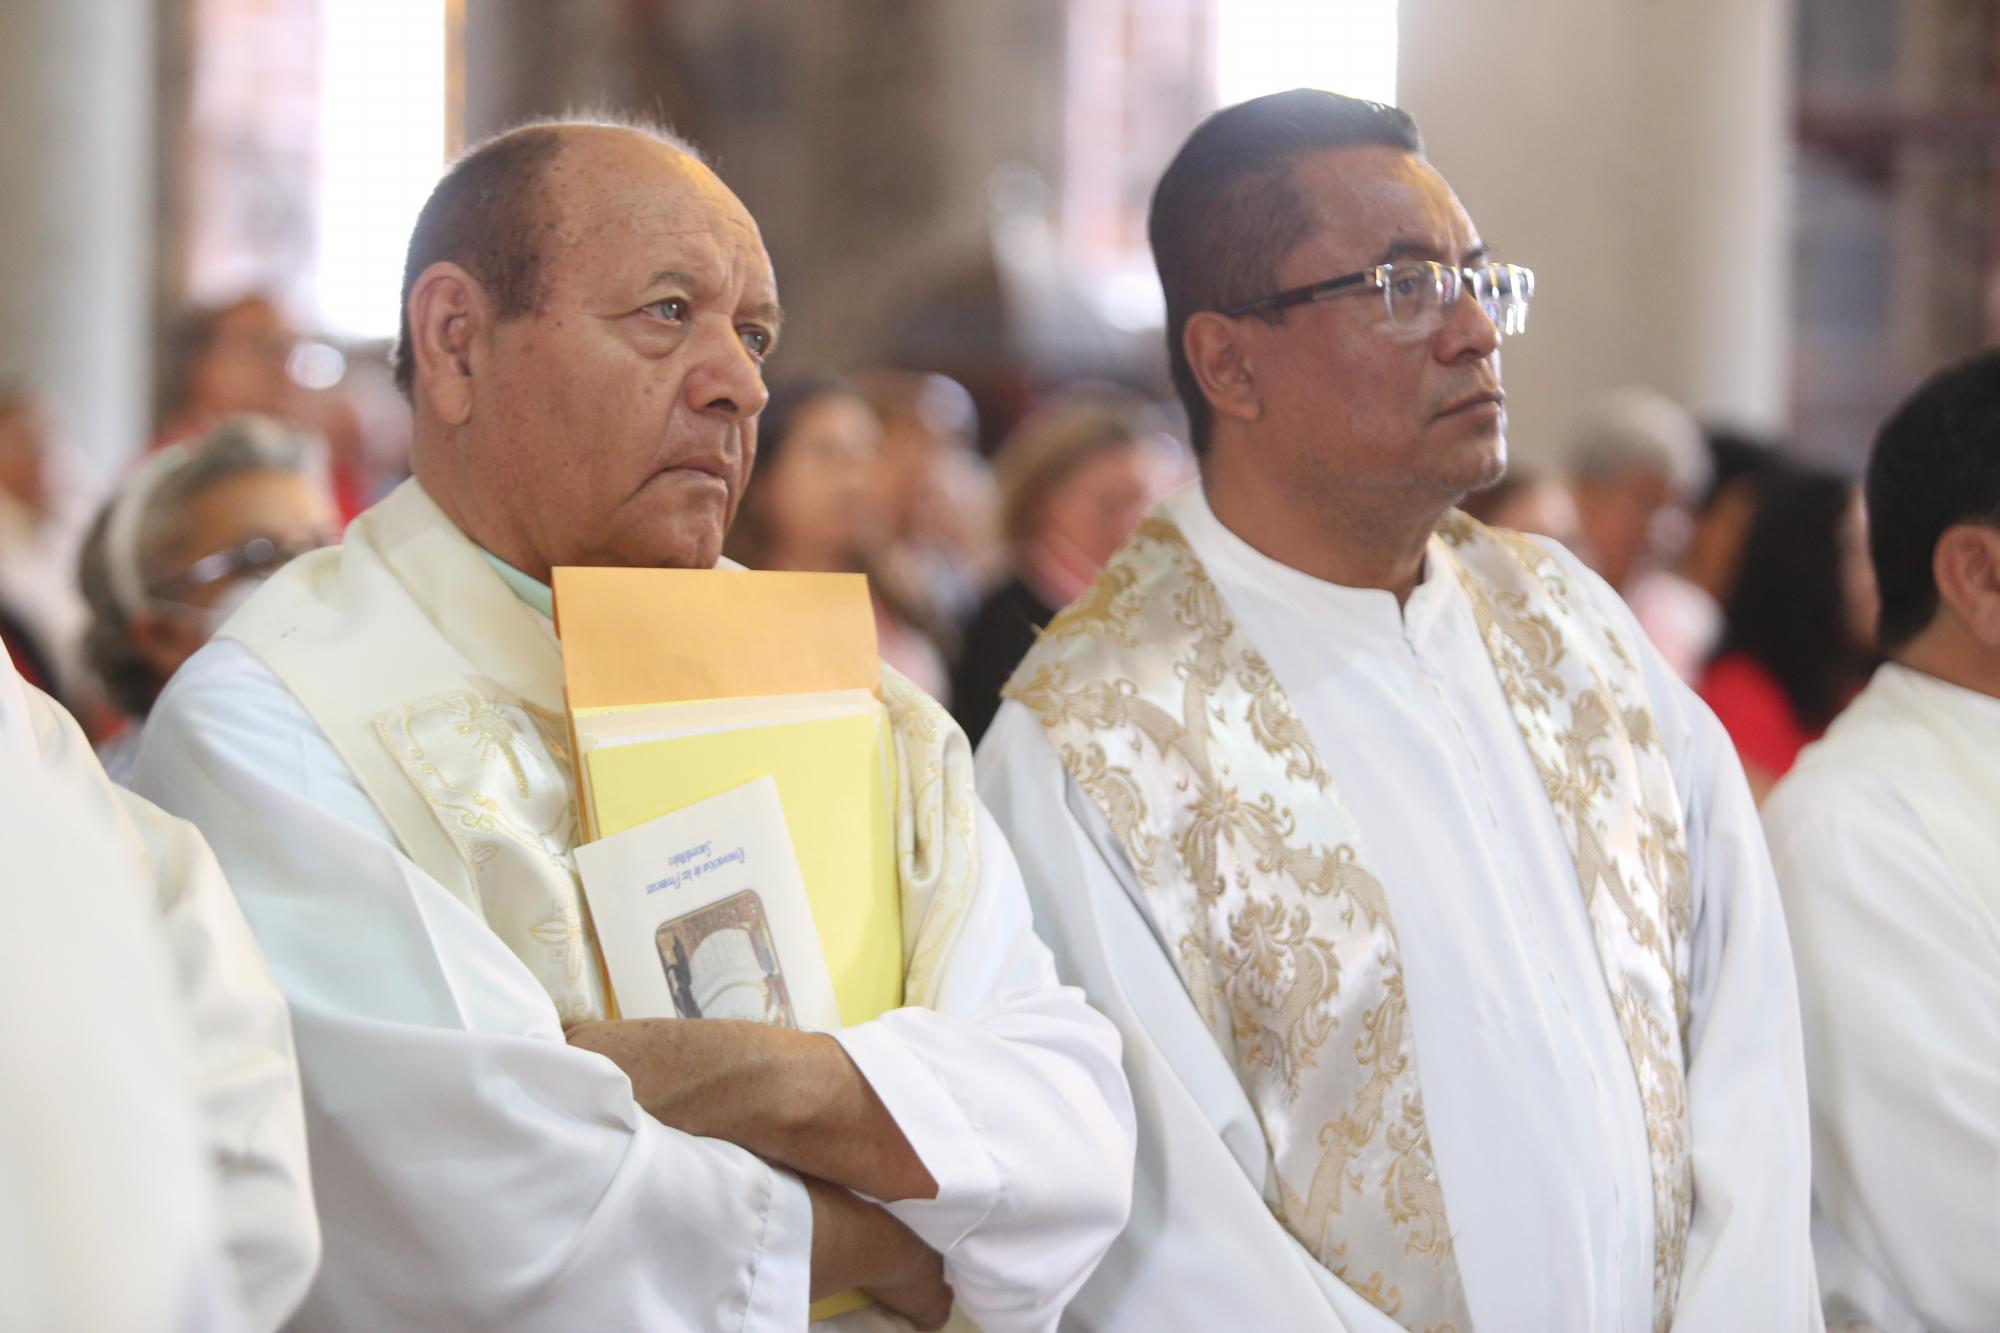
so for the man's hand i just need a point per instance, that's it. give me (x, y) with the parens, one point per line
(793, 1098)
(857, 1244)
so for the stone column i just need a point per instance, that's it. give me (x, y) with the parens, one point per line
(76, 214)
(1636, 155)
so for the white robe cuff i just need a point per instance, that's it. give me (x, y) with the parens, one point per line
(781, 1277)
(945, 1140)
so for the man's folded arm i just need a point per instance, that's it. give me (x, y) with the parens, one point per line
(793, 1098)
(997, 1125)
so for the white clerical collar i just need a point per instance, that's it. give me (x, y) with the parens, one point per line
(1369, 612)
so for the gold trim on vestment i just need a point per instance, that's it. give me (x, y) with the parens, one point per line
(1171, 722)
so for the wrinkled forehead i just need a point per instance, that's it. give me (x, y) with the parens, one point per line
(1372, 204)
(632, 200)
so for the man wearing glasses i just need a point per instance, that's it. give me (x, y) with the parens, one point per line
(1431, 906)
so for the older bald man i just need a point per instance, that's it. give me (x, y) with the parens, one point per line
(587, 310)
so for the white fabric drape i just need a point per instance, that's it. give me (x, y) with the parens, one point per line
(151, 1161)
(1886, 837)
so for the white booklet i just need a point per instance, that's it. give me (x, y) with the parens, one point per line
(702, 913)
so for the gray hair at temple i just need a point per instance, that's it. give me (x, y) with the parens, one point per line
(1227, 211)
(133, 541)
(1636, 428)
(485, 215)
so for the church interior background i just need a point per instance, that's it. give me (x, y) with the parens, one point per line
(1779, 215)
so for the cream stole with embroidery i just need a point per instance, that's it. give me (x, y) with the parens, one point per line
(443, 694)
(1174, 726)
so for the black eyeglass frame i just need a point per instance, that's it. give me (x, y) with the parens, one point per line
(1377, 275)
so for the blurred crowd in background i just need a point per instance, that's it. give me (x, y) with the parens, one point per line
(1749, 570)
(972, 408)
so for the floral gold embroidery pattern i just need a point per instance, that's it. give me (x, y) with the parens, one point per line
(937, 838)
(1221, 804)
(1182, 738)
(1598, 752)
(484, 765)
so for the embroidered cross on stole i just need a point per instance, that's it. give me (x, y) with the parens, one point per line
(1172, 723)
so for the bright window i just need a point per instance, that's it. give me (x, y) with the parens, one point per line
(382, 145)
(1267, 46)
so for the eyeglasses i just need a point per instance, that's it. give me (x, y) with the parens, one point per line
(1419, 294)
(259, 554)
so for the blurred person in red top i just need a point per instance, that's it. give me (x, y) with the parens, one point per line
(1681, 608)
(1799, 641)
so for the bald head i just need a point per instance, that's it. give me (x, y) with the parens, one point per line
(488, 212)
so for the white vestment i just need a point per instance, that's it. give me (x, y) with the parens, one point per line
(1528, 1088)
(1886, 837)
(152, 1153)
(476, 1171)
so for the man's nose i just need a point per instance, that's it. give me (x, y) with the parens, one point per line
(727, 381)
(1467, 336)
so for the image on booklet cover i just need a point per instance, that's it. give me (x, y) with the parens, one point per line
(720, 963)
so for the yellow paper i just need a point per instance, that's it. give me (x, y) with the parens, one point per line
(836, 782)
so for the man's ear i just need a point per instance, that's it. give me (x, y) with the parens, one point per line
(1216, 350)
(451, 316)
(1966, 565)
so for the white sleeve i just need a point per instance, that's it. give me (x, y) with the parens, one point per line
(1203, 1249)
(107, 1217)
(247, 1075)
(472, 1169)
(1010, 1092)
(1900, 981)
(1748, 1262)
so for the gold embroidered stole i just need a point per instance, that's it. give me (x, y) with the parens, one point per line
(1175, 727)
(443, 694)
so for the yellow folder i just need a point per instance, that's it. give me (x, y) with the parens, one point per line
(835, 779)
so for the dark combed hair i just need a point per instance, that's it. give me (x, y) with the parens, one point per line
(1227, 212)
(486, 215)
(1936, 464)
(1788, 611)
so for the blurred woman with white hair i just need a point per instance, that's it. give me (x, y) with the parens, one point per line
(1636, 464)
(185, 540)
